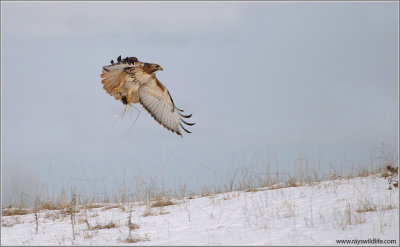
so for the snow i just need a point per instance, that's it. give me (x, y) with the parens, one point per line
(314, 214)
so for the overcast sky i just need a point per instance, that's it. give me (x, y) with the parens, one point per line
(262, 79)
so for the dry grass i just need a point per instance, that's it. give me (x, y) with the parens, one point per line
(47, 205)
(290, 212)
(67, 211)
(10, 222)
(205, 192)
(348, 217)
(93, 205)
(58, 204)
(292, 183)
(103, 226)
(135, 239)
(148, 212)
(388, 207)
(163, 212)
(364, 173)
(107, 207)
(14, 211)
(366, 206)
(191, 196)
(162, 202)
(89, 235)
(391, 174)
(133, 226)
(254, 189)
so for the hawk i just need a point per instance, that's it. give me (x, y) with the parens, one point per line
(132, 81)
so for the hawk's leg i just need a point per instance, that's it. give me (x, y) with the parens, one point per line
(118, 89)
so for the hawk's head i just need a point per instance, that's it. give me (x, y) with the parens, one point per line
(151, 67)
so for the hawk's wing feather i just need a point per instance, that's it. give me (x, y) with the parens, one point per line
(111, 80)
(114, 76)
(122, 64)
(156, 99)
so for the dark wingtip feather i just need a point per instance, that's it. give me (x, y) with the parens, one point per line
(184, 128)
(128, 60)
(190, 124)
(132, 60)
(185, 116)
(177, 107)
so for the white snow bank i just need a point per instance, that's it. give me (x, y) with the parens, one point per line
(352, 209)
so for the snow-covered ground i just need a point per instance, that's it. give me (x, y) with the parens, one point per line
(318, 214)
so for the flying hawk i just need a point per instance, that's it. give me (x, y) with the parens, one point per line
(132, 81)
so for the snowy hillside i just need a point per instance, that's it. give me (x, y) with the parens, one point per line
(317, 214)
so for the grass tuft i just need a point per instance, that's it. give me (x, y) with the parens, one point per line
(14, 211)
(391, 174)
(162, 202)
(135, 239)
(105, 226)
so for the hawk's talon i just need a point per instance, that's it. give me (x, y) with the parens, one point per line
(118, 89)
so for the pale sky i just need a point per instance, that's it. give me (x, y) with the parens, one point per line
(263, 79)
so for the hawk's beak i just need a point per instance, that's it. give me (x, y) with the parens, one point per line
(160, 68)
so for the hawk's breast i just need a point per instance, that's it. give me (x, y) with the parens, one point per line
(142, 77)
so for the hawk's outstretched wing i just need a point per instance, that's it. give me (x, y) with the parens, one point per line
(156, 99)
